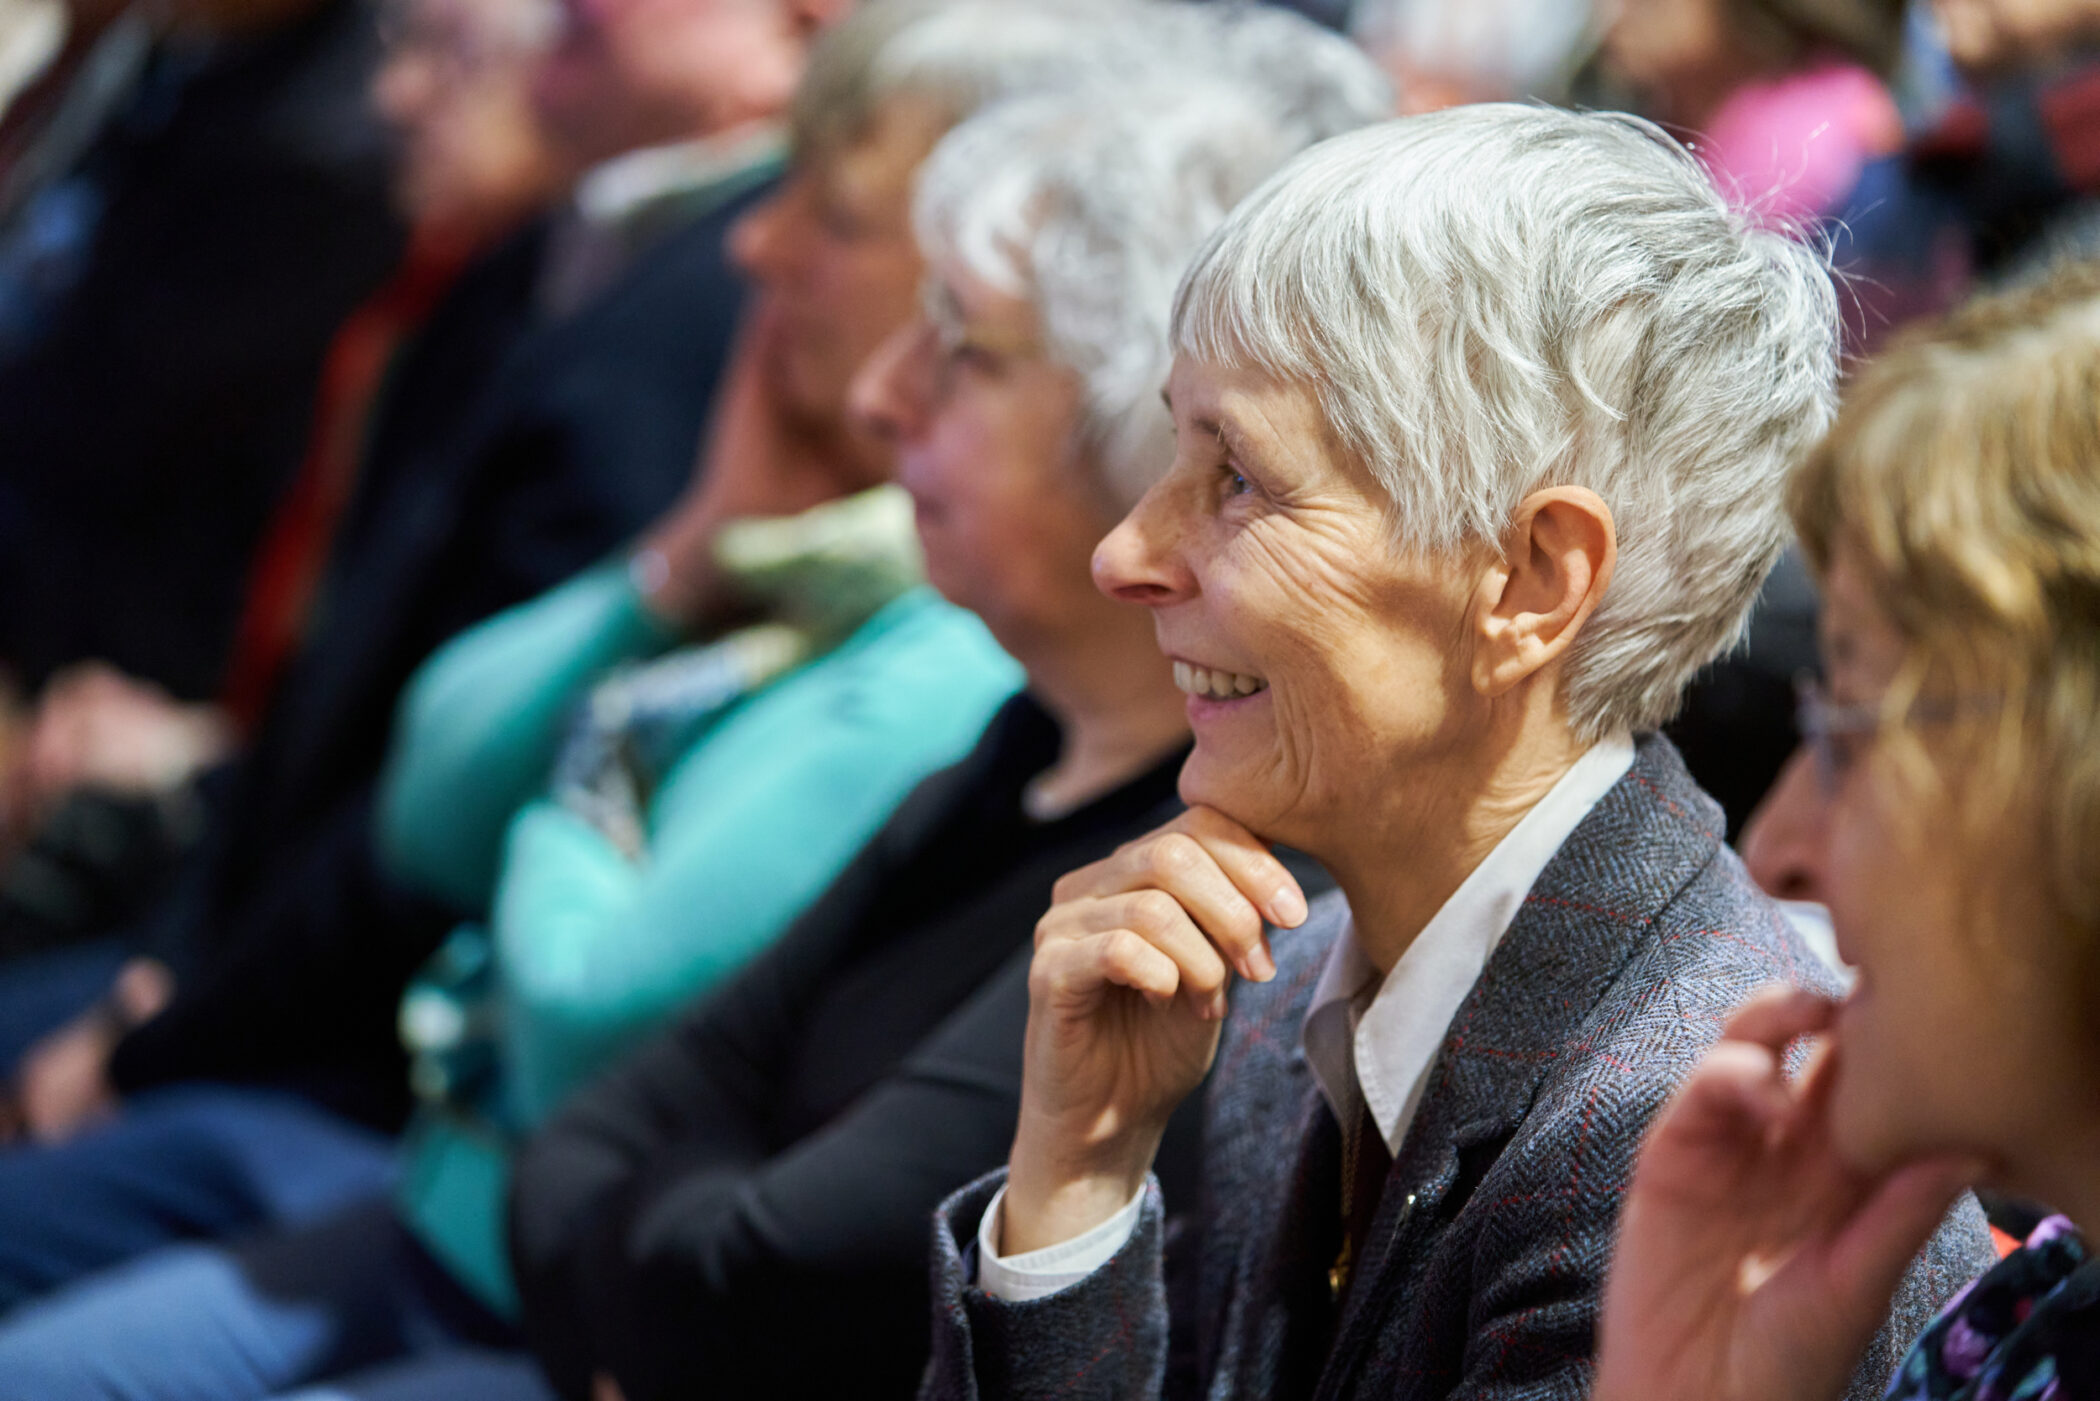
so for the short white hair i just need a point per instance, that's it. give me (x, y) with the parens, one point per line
(1511, 48)
(1499, 298)
(1088, 202)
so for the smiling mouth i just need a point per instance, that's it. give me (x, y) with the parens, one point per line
(1213, 684)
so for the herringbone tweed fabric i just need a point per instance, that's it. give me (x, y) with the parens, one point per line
(1482, 1268)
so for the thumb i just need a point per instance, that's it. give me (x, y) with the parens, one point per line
(1876, 1245)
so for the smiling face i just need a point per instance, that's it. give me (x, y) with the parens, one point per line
(1324, 664)
(985, 428)
(1965, 1000)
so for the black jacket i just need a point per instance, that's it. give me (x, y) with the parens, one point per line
(741, 1209)
(291, 949)
(148, 428)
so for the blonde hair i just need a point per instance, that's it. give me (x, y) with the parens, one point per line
(1963, 479)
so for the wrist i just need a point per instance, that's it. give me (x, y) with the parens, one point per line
(1053, 1197)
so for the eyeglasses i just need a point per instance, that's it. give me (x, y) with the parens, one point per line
(1838, 736)
(954, 342)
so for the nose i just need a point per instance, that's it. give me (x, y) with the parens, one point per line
(1144, 560)
(758, 240)
(1785, 844)
(891, 394)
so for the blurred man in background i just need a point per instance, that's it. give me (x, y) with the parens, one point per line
(548, 411)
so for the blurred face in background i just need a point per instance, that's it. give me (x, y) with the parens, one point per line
(455, 82)
(1964, 1031)
(834, 251)
(624, 74)
(985, 427)
(1441, 55)
(1682, 55)
(1985, 35)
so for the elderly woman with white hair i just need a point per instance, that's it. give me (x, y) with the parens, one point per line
(1481, 422)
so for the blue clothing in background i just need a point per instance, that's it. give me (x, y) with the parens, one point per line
(196, 1160)
(589, 947)
(342, 1297)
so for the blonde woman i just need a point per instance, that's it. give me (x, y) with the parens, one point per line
(1954, 514)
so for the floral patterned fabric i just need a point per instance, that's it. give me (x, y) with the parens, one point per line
(2028, 1329)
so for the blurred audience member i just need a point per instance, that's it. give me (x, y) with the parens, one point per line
(1999, 176)
(456, 81)
(100, 788)
(1954, 516)
(767, 1168)
(32, 32)
(517, 443)
(1783, 100)
(1986, 36)
(1441, 54)
(205, 204)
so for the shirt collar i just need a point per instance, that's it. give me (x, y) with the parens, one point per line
(615, 191)
(1372, 1043)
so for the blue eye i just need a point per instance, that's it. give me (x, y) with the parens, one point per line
(1236, 483)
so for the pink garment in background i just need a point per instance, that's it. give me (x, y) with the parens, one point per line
(1790, 149)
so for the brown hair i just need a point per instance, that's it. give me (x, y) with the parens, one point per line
(1963, 478)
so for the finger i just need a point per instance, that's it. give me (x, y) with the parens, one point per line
(1126, 958)
(1777, 1015)
(1175, 866)
(1736, 1091)
(1074, 972)
(1160, 919)
(1872, 1250)
(1250, 865)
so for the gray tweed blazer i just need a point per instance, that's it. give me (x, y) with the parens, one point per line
(1480, 1274)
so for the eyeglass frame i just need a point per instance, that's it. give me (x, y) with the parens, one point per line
(1825, 725)
(942, 321)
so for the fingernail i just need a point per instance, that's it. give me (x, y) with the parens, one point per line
(1287, 907)
(1260, 966)
(1216, 1010)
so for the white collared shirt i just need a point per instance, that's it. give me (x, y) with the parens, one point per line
(611, 191)
(1369, 1041)
(621, 205)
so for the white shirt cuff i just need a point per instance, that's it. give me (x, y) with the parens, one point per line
(1021, 1278)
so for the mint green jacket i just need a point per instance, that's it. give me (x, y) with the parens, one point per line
(592, 950)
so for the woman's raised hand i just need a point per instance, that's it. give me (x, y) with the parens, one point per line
(1125, 1000)
(1752, 1264)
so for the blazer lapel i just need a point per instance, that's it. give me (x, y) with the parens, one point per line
(1301, 1314)
(1576, 931)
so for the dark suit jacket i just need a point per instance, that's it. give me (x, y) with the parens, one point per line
(292, 949)
(1481, 1269)
(147, 431)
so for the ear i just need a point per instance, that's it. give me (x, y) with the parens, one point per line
(1557, 560)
